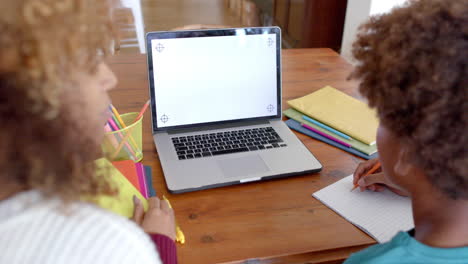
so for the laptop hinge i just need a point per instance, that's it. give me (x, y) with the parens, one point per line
(215, 127)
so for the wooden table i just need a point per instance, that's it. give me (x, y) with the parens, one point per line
(264, 222)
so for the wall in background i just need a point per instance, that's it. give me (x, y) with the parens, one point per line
(357, 12)
(383, 6)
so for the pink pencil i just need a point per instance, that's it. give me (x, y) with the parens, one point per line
(113, 140)
(140, 115)
(116, 128)
(325, 135)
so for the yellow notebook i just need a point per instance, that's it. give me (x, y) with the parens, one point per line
(340, 111)
(122, 203)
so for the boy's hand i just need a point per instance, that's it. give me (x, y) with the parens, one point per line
(372, 183)
(159, 219)
(376, 182)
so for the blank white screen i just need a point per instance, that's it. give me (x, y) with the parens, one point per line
(210, 79)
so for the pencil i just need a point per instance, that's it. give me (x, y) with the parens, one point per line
(113, 125)
(130, 129)
(334, 131)
(117, 122)
(325, 135)
(122, 124)
(117, 116)
(143, 110)
(369, 172)
(180, 237)
(112, 139)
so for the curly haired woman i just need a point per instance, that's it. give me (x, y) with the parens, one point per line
(53, 101)
(412, 66)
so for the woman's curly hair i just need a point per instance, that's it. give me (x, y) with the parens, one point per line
(43, 144)
(412, 65)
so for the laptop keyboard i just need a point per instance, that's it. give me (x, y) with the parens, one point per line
(212, 144)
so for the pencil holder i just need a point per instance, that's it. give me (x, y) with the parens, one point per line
(126, 143)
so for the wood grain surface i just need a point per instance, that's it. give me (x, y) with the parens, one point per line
(275, 221)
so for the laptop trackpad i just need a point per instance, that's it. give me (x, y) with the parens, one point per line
(243, 166)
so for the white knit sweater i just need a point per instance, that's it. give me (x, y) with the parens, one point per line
(35, 230)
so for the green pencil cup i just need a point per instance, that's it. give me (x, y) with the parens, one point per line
(126, 143)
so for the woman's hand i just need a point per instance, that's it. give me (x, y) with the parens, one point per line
(159, 219)
(376, 182)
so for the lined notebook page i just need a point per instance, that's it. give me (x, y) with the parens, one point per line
(380, 214)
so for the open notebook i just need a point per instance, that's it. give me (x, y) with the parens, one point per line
(380, 214)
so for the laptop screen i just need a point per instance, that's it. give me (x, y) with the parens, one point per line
(212, 76)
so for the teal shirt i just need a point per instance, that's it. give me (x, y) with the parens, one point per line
(403, 248)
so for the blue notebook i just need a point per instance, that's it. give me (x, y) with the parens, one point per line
(149, 181)
(293, 124)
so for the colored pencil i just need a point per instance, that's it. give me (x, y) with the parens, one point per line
(117, 116)
(325, 135)
(123, 141)
(130, 130)
(143, 110)
(334, 131)
(114, 138)
(122, 124)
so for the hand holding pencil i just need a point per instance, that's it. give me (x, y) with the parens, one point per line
(363, 173)
(369, 176)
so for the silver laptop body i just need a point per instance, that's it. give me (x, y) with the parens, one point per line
(216, 108)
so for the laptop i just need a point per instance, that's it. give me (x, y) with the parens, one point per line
(216, 108)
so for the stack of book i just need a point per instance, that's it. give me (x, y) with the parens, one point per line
(337, 119)
(138, 174)
(129, 179)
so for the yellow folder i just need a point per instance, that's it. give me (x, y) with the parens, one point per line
(122, 203)
(340, 111)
